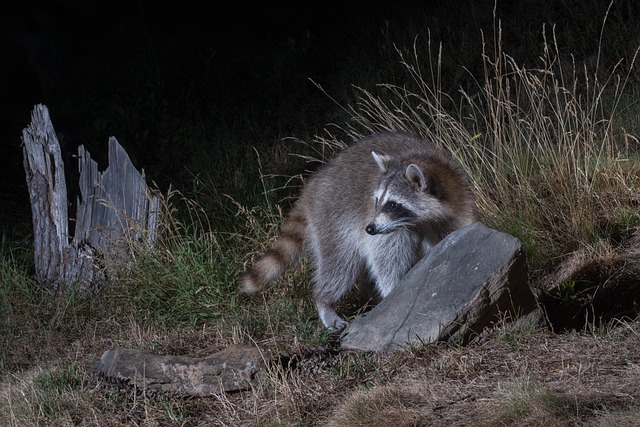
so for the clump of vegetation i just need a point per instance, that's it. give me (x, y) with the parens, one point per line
(523, 399)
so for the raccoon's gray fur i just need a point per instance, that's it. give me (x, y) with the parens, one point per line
(371, 213)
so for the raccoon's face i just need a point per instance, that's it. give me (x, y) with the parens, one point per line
(394, 205)
(390, 215)
(404, 198)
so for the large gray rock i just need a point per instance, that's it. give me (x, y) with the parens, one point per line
(467, 281)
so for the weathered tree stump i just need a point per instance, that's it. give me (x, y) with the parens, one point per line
(113, 206)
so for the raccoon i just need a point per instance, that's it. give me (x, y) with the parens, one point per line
(367, 216)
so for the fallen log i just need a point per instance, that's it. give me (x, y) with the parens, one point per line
(231, 369)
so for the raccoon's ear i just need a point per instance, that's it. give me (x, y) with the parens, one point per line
(382, 160)
(416, 177)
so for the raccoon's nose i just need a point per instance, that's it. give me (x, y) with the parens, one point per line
(371, 229)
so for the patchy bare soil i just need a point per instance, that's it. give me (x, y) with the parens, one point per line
(543, 379)
(509, 376)
(515, 375)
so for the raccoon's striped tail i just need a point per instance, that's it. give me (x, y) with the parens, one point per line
(284, 254)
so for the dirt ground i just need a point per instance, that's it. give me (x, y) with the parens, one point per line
(512, 378)
(506, 377)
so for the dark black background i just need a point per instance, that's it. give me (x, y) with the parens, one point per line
(77, 57)
(86, 59)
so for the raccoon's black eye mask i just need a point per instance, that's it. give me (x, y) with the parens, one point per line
(396, 210)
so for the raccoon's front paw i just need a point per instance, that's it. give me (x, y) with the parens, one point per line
(330, 318)
(338, 325)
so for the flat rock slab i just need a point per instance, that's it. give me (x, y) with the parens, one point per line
(470, 278)
(231, 369)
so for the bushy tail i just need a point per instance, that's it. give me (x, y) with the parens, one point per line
(284, 254)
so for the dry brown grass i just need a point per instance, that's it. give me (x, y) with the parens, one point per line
(548, 160)
(552, 380)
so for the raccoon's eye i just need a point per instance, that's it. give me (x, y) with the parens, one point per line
(392, 206)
